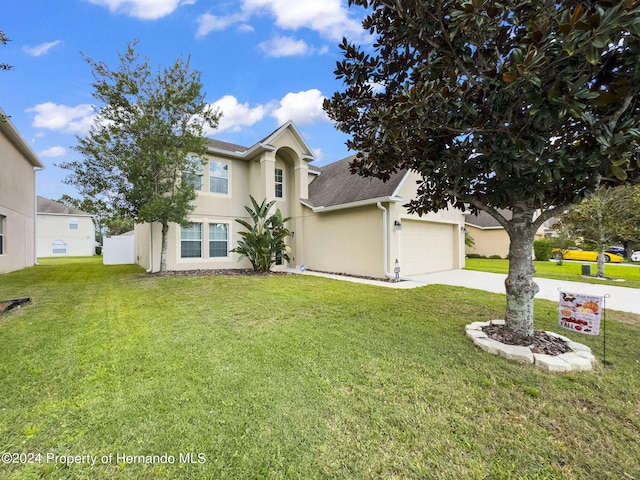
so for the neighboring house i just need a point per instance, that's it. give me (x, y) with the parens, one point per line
(490, 238)
(18, 164)
(339, 222)
(64, 231)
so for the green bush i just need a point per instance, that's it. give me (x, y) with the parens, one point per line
(495, 257)
(473, 255)
(542, 249)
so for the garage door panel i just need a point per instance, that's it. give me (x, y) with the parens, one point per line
(426, 247)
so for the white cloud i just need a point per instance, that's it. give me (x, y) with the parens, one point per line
(304, 108)
(143, 9)
(53, 152)
(41, 49)
(208, 23)
(237, 115)
(328, 17)
(61, 118)
(284, 47)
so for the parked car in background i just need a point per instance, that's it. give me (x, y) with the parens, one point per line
(635, 256)
(616, 249)
(575, 253)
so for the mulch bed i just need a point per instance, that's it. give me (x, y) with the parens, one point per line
(215, 272)
(6, 305)
(541, 342)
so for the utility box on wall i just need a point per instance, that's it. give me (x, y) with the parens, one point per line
(119, 250)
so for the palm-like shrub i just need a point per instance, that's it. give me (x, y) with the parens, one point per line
(265, 238)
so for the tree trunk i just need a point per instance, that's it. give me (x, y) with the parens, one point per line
(600, 273)
(520, 287)
(163, 250)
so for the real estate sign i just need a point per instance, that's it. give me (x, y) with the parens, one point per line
(580, 312)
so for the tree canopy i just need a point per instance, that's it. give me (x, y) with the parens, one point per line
(147, 136)
(521, 105)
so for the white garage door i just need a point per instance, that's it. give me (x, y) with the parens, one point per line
(426, 247)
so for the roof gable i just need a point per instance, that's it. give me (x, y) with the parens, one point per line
(268, 143)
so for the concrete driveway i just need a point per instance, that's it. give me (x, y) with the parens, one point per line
(623, 299)
(620, 298)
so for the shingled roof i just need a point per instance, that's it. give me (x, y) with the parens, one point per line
(51, 206)
(336, 185)
(229, 147)
(484, 220)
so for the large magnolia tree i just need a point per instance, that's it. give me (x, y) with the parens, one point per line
(523, 105)
(145, 141)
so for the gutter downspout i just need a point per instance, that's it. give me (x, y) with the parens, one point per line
(35, 216)
(385, 244)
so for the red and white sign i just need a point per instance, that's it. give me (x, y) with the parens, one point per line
(580, 312)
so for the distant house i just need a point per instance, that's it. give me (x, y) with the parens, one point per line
(18, 166)
(63, 230)
(490, 238)
(339, 222)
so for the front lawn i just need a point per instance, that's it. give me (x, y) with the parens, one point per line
(622, 275)
(293, 377)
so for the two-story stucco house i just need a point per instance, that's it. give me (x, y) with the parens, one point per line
(64, 231)
(339, 222)
(18, 166)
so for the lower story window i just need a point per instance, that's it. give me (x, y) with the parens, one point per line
(218, 239)
(59, 248)
(191, 241)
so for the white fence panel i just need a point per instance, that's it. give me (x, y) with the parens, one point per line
(119, 250)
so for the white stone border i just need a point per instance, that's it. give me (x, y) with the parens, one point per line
(580, 359)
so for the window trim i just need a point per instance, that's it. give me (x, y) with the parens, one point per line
(182, 229)
(227, 178)
(279, 183)
(210, 240)
(59, 243)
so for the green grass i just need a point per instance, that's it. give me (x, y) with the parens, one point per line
(627, 275)
(295, 377)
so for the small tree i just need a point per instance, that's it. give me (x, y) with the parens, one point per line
(609, 216)
(265, 239)
(147, 137)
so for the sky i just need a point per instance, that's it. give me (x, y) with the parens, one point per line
(262, 63)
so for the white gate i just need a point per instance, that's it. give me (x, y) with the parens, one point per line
(119, 250)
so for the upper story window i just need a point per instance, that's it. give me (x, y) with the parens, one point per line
(279, 183)
(191, 241)
(218, 177)
(196, 178)
(2, 217)
(73, 224)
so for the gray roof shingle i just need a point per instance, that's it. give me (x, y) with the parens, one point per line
(51, 206)
(336, 185)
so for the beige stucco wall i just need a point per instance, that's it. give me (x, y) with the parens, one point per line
(492, 241)
(55, 227)
(488, 241)
(253, 175)
(17, 206)
(344, 241)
